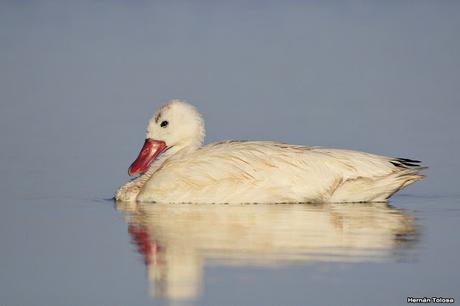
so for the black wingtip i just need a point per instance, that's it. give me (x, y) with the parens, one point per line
(406, 163)
(412, 161)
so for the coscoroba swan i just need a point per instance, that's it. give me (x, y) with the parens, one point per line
(176, 168)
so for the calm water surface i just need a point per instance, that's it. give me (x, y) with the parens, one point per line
(89, 252)
(79, 80)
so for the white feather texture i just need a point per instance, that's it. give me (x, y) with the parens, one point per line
(258, 171)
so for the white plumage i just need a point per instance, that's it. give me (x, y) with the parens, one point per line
(257, 171)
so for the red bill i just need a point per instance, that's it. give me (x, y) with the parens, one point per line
(149, 152)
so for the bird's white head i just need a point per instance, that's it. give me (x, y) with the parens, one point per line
(176, 124)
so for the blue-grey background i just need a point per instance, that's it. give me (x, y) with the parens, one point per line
(79, 80)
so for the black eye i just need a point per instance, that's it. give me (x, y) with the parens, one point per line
(164, 124)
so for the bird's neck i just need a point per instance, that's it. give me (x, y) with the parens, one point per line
(173, 151)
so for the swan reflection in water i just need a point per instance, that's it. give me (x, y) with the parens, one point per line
(177, 240)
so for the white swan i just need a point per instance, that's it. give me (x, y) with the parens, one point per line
(176, 168)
